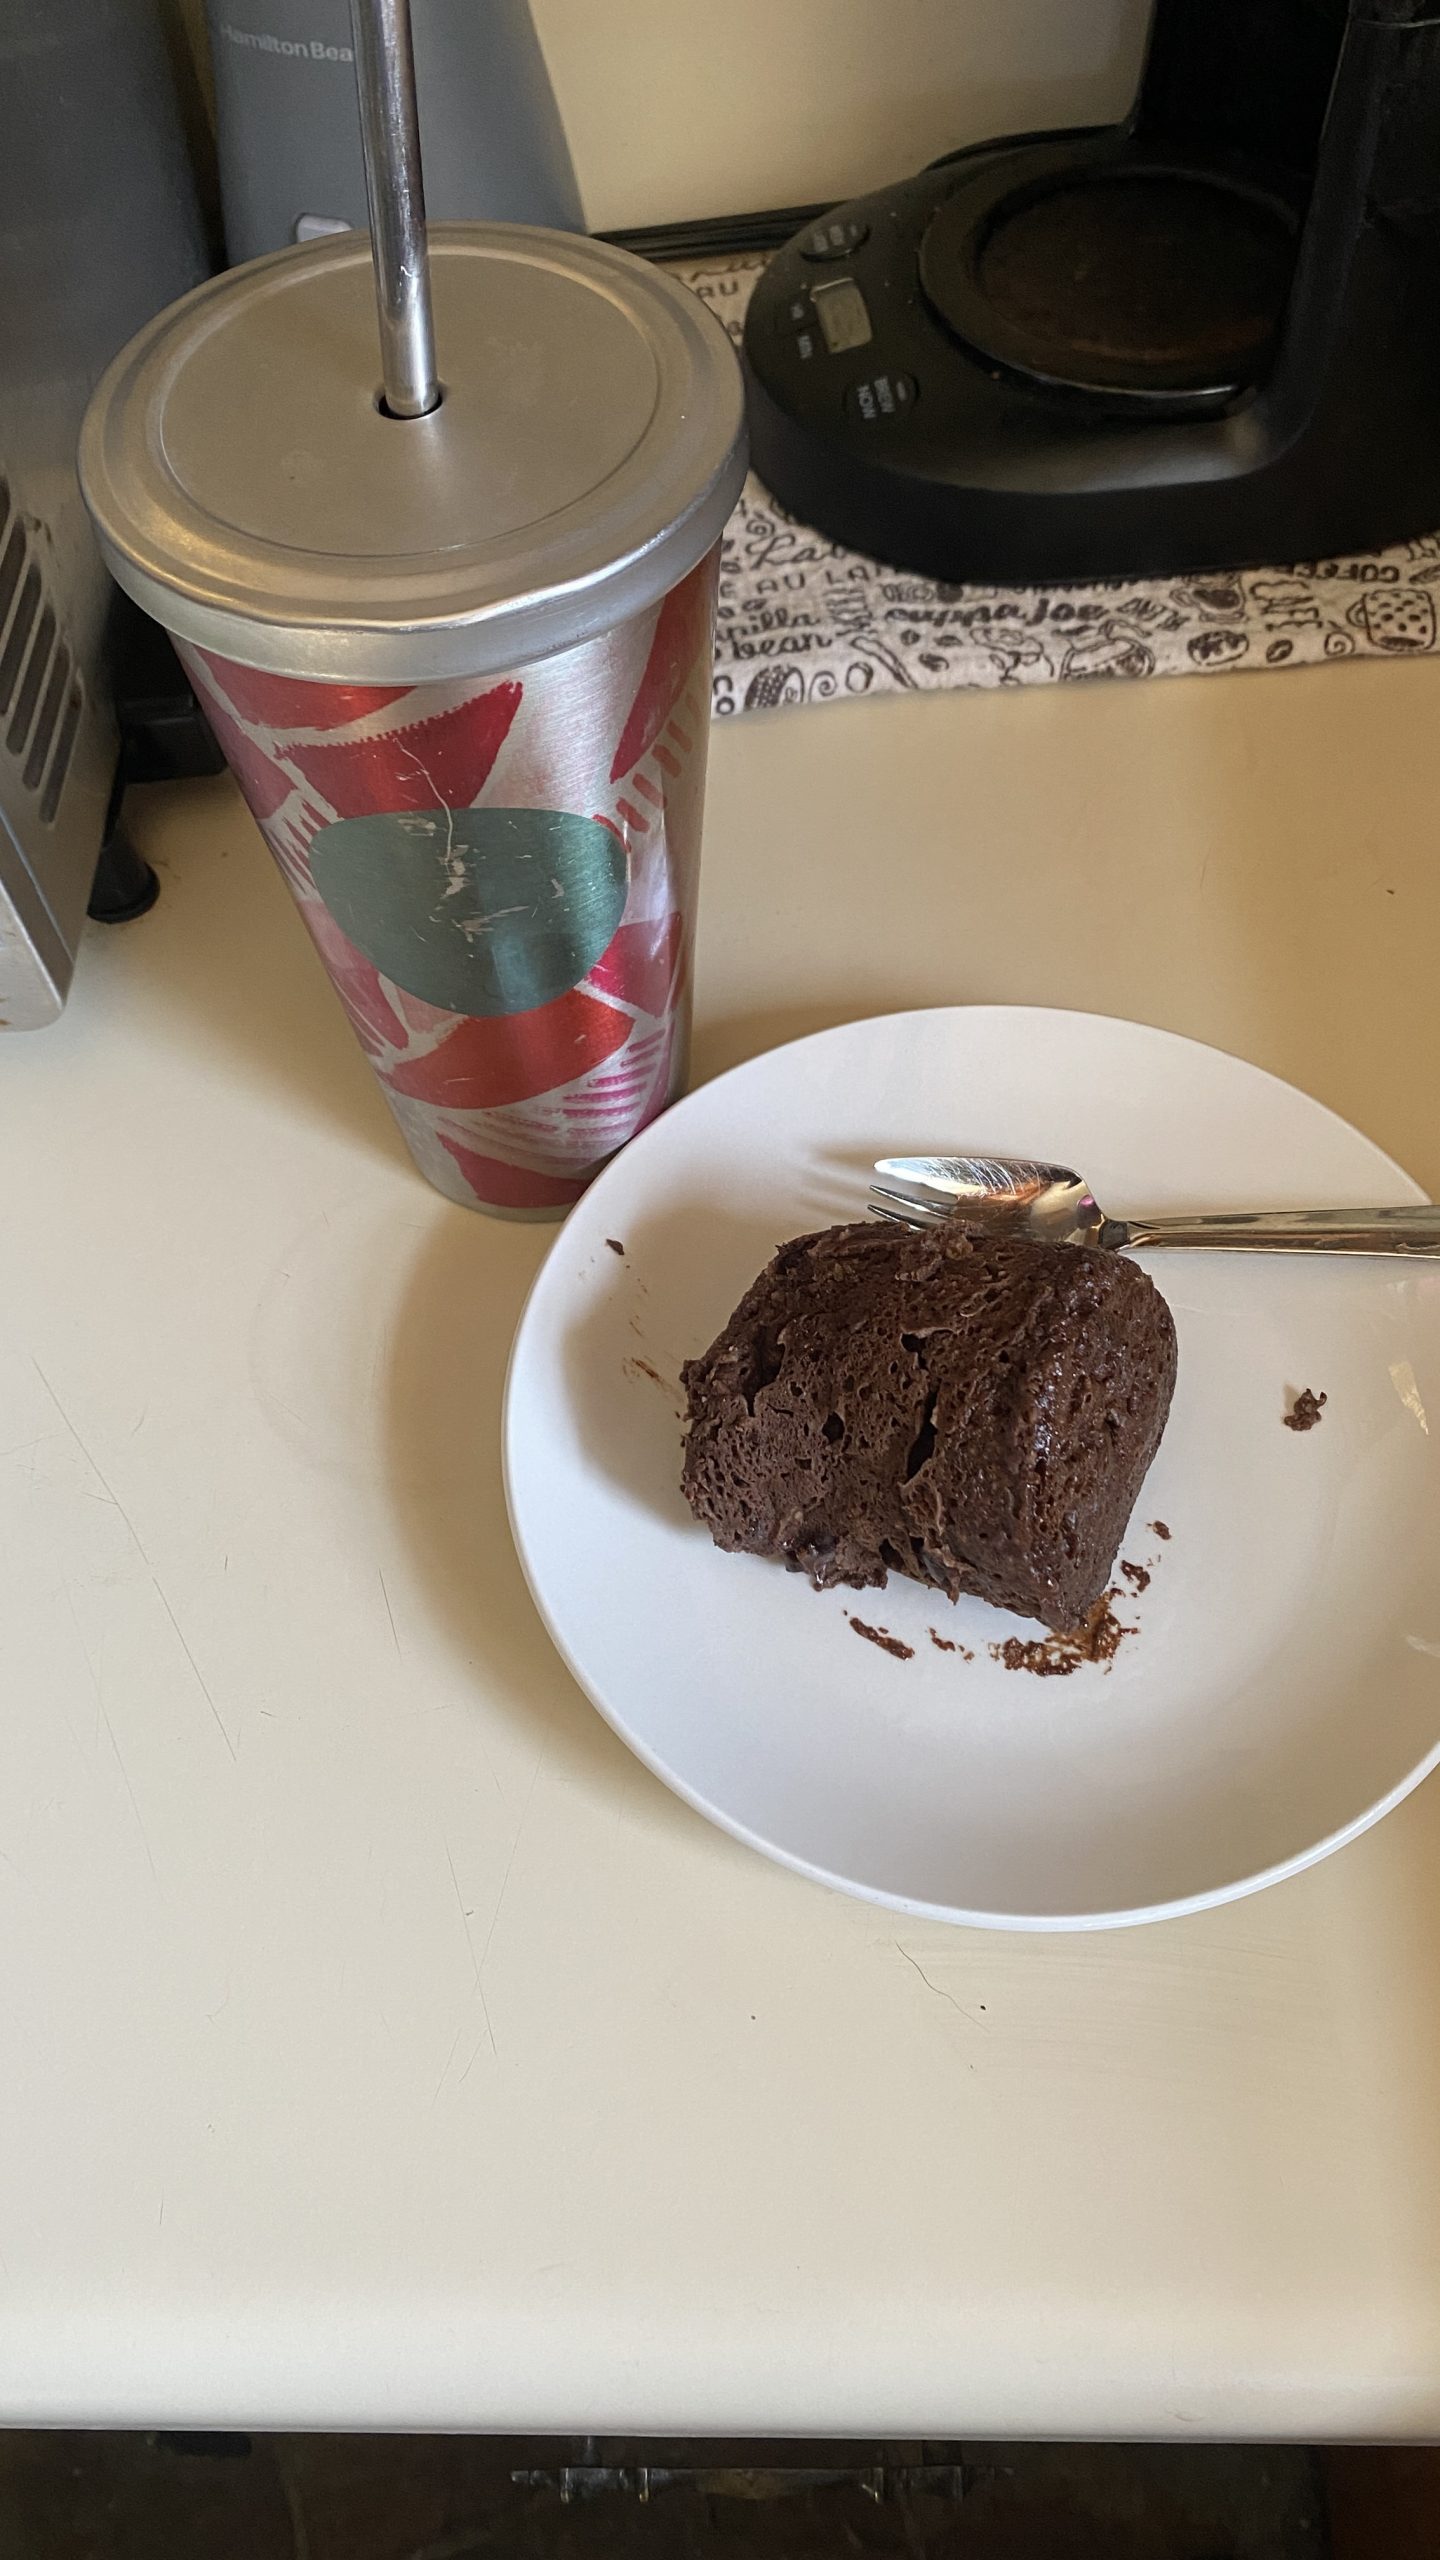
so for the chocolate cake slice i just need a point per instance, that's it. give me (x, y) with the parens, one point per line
(978, 1413)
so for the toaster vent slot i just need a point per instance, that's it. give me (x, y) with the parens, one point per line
(27, 700)
(12, 561)
(41, 701)
(60, 762)
(42, 736)
(17, 638)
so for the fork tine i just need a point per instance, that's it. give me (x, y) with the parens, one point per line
(902, 1212)
(913, 1204)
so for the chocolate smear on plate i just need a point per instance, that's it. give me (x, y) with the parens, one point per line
(1098, 1638)
(947, 1644)
(884, 1639)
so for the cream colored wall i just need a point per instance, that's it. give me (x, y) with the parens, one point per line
(707, 106)
(680, 107)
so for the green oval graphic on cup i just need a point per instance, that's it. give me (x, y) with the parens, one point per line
(482, 911)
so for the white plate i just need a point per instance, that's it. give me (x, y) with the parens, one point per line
(1282, 1689)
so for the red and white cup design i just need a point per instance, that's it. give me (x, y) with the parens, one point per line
(500, 877)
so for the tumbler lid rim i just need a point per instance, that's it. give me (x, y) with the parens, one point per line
(249, 492)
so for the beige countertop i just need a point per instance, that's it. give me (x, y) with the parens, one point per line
(382, 2046)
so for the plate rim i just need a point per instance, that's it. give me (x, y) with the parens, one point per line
(1048, 1924)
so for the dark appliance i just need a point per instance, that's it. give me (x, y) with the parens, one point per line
(99, 225)
(1205, 337)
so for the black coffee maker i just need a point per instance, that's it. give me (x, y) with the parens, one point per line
(1206, 337)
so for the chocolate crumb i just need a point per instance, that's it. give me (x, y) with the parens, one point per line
(1159, 1530)
(1135, 1574)
(947, 1644)
(884, 1639)
(1096, 1639)
(616, 1246)
(1305, 1411)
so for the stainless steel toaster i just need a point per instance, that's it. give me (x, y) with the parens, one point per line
(99, 226)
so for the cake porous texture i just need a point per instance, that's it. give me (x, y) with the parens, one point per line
(977, 1412)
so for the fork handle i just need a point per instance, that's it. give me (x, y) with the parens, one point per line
(1410, 1230)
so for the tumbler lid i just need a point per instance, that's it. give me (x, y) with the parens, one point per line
(250, 492)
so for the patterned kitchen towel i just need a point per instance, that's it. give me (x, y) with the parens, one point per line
(802, 620)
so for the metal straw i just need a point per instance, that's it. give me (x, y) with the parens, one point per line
(395, 185)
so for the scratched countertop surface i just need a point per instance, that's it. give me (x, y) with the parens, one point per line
(379, 2044)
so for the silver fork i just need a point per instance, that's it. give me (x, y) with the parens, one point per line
(1009, 1195)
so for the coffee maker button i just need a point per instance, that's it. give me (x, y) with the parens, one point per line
(833, 238)
(882, 396)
